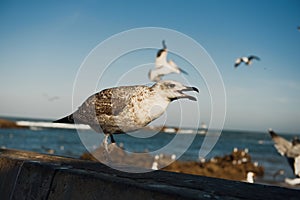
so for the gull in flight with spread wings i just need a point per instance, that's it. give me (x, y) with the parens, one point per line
(246, 60)
(162, 66)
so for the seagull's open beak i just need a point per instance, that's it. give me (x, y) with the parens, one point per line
(186, 89)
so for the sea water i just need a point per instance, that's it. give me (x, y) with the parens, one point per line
(73, 143)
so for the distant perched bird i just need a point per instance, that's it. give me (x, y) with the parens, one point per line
(250, 177)
(246, 60)
(162, 66)
(291, 150)
(278, 172)
(127, 108)
(48, 150)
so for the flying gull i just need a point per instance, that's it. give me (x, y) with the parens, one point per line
(291, 150)
(246, 60)
(162, 66)
(127, 108)
(51, 98)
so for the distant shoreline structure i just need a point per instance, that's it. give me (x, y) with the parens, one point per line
(171, 129)
(36, 125)
(52, 125)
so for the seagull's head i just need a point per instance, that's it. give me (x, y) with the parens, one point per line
(173, 90)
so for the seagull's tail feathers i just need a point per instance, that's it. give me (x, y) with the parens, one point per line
(66, 120)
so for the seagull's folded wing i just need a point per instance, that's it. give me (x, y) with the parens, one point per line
(282, 145)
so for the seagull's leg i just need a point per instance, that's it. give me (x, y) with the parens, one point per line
(105, 142)
(112, 140)
(112, 144)
(106, 152)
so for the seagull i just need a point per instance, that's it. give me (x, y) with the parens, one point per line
(250, 177)
(246, 60)
(291, 150)
(51, 98)
(127, 108)
(278, 173)
(154, 165)
(162, 66)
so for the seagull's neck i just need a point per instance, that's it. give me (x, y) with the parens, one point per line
(151, 106)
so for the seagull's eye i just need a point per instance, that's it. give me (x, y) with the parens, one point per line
(171, 85)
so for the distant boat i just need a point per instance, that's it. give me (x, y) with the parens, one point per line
(203, 129)
(169, 130)
(186, 131)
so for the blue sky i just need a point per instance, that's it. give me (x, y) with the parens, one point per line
(43, 44)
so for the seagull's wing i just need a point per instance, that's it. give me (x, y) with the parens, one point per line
(53, 98)
(164, 44)
(282, 145)
(111, 101)
(245, 59)
(253, 57)
(161, 58)
(163, 70)
(237, 62)
(155, 75)
(174, 67)
(107, 102)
